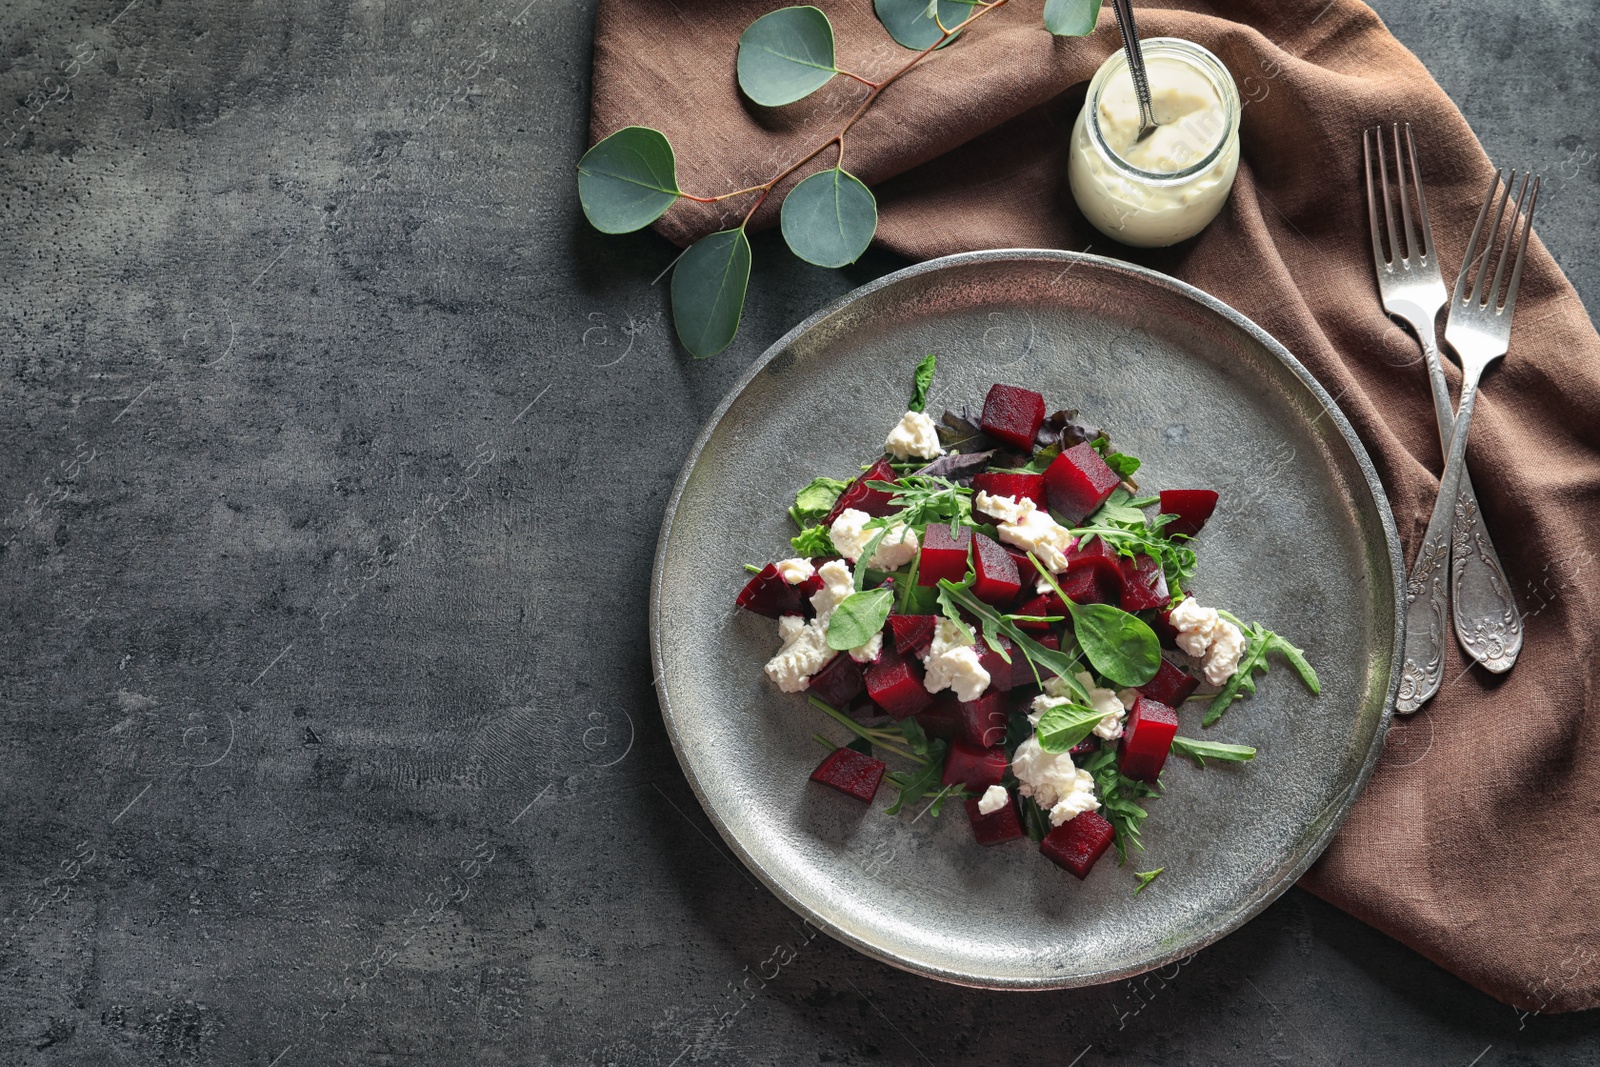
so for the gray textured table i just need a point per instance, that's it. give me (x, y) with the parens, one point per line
(327, 729)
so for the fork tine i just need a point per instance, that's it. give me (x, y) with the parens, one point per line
(1522, 246)
(1491, 238)
(1388, 211)
(1422, 201)
(1405, 201)
(1372, 203)
(1472, 243)
(1492, 297)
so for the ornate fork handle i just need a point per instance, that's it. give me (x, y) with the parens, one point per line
(1486, 617)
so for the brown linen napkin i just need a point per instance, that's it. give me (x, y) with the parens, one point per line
(1477, 841)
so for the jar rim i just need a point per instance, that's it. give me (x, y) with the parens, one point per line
(1199, 57)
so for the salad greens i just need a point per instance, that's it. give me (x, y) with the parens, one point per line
(921, 381)
(1261, 641)
(1200, 751)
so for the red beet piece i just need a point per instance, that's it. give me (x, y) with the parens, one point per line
(1085, 747)
(1048, 604)
(1098, 557)
(1192, 506)
(1146, 739)
(1090, 585)
(999, 483)
(978, 768)
(1012, 415)
(839, 682)
(1077, 843)
(913, 634)
(1144, 585)
(995, 664)
(895, 685)
(1171, 685)
(997, 579)
(983, 721)
(1078, 482)
(942, 719)
(1166, 633)
(997, 826)
(943, 556)
(855, 774)
(768, 594)
(861, 496)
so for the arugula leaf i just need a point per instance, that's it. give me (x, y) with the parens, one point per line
(813, 542)
(1145, 878)
(1120, 645)
(1065, 725)
(816, 500)
(1119, 510)
(1061, 662)
(1123, 464)
(915, 785)
(753, 569)
(925, 499)
(950, 607)
(1118, 800)
(921, 381)
(863, 563)
(1260, 642)
(1177, 560)
(1199, 750)
(858, 617)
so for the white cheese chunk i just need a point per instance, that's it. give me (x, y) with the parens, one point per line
(794, 571)
(1053, 781)
(1023, 525)
(994, 798)
(952, 663)
(915, 437)
(1208, 637)
(851, 537)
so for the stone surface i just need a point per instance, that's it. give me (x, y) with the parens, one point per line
(334, 452)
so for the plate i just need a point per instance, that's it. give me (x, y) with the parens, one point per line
(1303, 542)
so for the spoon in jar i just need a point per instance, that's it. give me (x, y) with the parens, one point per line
(1136, 69)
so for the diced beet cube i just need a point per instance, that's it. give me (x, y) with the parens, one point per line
(861, 496)
(1166, 633)
(997, 579)
(855, 774)
(1012, 415)
(1192, 506)
(1146, 739)
(768, 594)
(839, 682)
(1085, 747)
(1171, 685)
(1016, 486)
(1089, 585)
(983, 721)
(1144, 585)
(1077, 843)
(895, 684)
(1078, 482)
(1098, 557)
(977, 768)
(1022, 673)
(997, 826)
(1048, 604)
(1025, 568)
(995, 664)
(913, 634)
(943, 718)
(943, 556)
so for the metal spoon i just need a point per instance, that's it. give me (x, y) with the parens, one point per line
(1141, 79)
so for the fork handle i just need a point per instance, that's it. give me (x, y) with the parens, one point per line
(1483, 608)
(1427, 586)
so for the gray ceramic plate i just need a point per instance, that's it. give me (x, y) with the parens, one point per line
(1303, 541)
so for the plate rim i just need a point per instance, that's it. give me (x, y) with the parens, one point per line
(1345, 801)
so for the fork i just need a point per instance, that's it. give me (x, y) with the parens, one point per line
(1485, 614)
(1479, 329)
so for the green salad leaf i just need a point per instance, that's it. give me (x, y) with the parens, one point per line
(1065, 725)
(1260, 642)
(859, 617)
(1145, 878)
(816, 500)
(1118, 644)
(1119, 797)
(1200, 751)
(921, 382)
(813, 542)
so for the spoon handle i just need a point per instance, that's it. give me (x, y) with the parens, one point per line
(1141, 80)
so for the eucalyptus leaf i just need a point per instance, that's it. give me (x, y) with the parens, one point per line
(829, 218)
(708, 287)
(628, 180)
(786, 55)
(1071, 18)
(911, 23)
(859, 617)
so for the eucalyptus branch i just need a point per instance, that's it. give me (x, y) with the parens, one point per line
(628, 180)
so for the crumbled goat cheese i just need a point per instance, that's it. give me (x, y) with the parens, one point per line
(1104, 700)
(1053, 781)
(994, 798)
(1022, 524)
(851, 537)
(915, 438)
(805, 648)
(794, 571)
(952, 663)
(1206, 636)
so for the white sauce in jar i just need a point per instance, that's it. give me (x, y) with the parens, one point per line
(1167, 187)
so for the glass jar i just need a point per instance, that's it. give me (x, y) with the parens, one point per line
(1168, 187)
